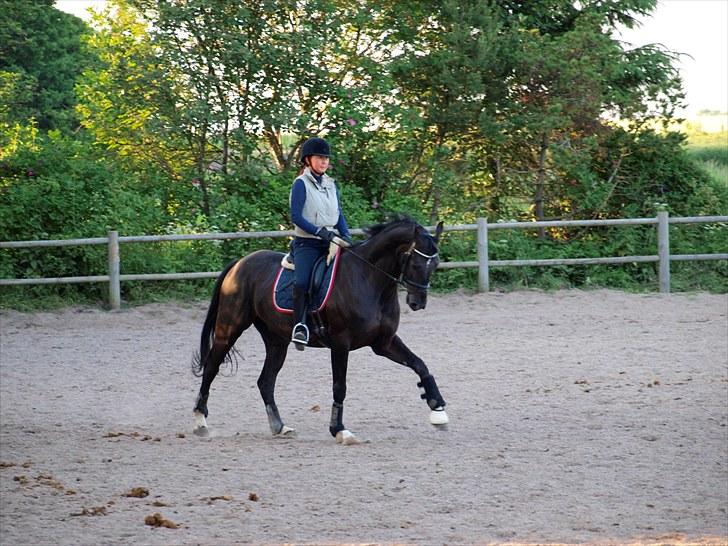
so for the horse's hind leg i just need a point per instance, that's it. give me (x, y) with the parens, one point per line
(225, 338)
(212, 366)
(276, 350)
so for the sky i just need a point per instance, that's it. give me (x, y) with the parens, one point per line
(697, 29)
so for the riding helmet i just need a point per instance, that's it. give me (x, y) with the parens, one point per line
(315, 146)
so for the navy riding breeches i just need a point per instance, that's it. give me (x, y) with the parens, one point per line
(305, 253)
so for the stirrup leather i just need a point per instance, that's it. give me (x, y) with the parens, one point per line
(300, 334)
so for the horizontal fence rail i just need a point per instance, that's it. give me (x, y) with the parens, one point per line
(483, 263)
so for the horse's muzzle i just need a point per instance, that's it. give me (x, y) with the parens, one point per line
(417, 300)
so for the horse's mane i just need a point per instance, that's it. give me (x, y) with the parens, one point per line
(398, 220)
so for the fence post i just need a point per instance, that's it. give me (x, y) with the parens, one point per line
(114, 279)
(663, 250)
(483, 273)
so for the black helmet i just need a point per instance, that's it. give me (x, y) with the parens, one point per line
(315, 146)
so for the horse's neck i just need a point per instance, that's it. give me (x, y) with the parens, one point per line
(381, 250)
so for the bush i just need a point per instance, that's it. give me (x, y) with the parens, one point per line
(53, 187)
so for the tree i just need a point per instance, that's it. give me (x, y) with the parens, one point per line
(187, 85)
(40, 58)
(471, 107)
(570, 79)
(551, 77)
(448, 78)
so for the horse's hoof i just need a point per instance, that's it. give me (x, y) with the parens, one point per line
(286, 432)
(438, 417)
(203, 432)
(200, 421)
(346, 438)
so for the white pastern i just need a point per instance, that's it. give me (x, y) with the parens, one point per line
(347, 438)
(200, 421)
(439, 417)
(286, 432)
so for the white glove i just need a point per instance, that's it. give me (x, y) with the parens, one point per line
(341, 242)
(333, 249)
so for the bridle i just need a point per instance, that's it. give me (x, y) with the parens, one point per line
(402, 280)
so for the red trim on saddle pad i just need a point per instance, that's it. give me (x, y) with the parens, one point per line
(273, 293)
(328, 289)
(333, 278)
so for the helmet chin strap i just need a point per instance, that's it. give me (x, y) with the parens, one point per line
(308, 164)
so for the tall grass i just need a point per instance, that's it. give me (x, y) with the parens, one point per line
(717, 171)
(710, 151)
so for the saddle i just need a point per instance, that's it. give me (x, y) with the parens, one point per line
(319, 290)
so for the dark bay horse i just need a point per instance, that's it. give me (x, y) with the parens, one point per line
(362, 311)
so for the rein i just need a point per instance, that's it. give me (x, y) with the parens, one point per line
(402, 280)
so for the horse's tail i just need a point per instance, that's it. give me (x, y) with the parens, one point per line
(199, 359)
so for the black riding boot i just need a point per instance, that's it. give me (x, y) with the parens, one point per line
(300, 309)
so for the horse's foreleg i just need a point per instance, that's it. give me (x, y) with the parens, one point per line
(275, 355)
(339, 366)
(397, 351)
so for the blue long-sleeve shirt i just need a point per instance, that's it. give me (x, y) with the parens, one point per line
(298, 199)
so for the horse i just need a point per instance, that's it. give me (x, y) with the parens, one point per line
(362, 311)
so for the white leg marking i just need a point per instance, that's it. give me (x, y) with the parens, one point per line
(439, 417)
(286, 432)
(200, 423)
(345, 437)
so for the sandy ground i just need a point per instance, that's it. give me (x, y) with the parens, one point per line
(596, 417)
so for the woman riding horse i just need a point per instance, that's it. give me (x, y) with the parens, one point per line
(317, 220)
(362, 310)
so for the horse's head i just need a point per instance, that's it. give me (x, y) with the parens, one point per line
(419, 261)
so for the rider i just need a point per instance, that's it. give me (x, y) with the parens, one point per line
(318, 221)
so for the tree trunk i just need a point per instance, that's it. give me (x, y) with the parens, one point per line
(202, 169)
(434, 211)
(435, 187)
(494, 165)
(540, 182)
(274, 141)
(225, 147)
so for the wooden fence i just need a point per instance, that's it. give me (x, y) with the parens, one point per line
(662, 221)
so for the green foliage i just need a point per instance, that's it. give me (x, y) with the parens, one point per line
(193, 112)
(58, 189)
(710, 152)
(511, 244)
(40, 56)
(716, 154)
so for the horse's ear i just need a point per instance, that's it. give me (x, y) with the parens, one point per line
(438, 231)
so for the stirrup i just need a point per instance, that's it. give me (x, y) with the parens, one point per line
(300, 334)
